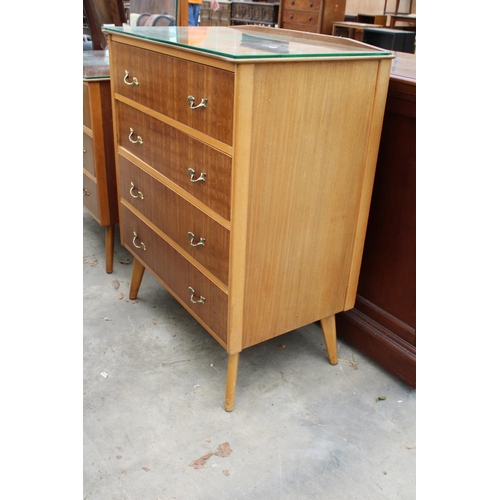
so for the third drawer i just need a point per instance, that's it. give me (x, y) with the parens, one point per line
(179, 219)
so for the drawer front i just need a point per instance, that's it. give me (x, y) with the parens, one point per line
(301, 27)
(177, 217)
(309, 5)
(172, 153)
(176, 272)
(164, 84)
(86, 107)
(90, 201)
(300, 17)
(88, 154)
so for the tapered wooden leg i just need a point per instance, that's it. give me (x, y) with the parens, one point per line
(135, 282)
(232, 374)
(330, 334)
(110, 247)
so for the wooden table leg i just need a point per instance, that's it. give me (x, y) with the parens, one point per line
(135, 282)
(232, 375)
(110, 247)
(330, 335)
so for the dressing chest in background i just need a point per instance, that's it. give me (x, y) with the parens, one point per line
(245, 163)
(99, 174)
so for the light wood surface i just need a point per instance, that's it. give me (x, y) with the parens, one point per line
(330, 336)
(232, 375)
(136, 279)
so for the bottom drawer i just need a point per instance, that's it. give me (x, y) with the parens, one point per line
(177, 273)
(90, 196)
(300, 27)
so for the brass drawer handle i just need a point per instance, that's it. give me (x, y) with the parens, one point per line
(309, 18)
(291, 16)
(191, 238)
(201, 300)
(142, 245)
(139, 138)
(138, 195)
(203, 103)
(201, 178)
(84, 150)
(134, 81)
(85, 192)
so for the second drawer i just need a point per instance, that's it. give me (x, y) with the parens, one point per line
(195, 232)
(300, 17)
(174, 154)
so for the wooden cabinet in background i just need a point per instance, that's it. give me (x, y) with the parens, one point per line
(242, 189)
(315, 16)
(382, 323)
(255, 13)
(220, 17)
(99, 177)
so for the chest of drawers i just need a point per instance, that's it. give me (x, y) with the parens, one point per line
(99, 177)
(245, 165)
(315, 16)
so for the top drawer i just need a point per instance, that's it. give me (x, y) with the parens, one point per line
(164, 83)
(311, 5)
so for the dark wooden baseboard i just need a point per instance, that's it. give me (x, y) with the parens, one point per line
(382, 343)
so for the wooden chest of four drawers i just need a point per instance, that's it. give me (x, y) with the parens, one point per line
(245, 173)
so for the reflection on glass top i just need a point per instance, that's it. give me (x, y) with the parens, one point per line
(95, 64)
(252, 42)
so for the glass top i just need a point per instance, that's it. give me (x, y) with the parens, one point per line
(95, 64)
(253, 42)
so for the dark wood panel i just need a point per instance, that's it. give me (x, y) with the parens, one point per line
(176, 217)
(104, 151)
(184, 152)
(165, 83)
(176, 273)
(383, 322)
(379, 344)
